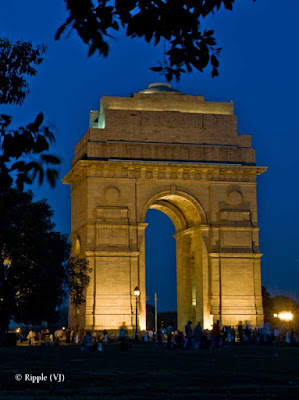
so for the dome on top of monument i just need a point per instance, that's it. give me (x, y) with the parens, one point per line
(160, 88)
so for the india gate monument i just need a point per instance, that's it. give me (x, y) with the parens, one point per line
(162, 149)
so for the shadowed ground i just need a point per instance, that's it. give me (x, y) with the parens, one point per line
(150, 372)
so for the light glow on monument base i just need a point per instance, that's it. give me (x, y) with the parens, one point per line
(208, 322)
(142, 326)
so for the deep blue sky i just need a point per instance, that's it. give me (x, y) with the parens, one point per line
(259, 72)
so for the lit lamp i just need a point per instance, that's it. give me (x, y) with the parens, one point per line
(286, 316)
(136, 294)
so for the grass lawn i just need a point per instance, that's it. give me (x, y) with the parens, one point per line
(150, 372)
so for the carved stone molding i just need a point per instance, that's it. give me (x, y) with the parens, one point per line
(112, 195)
(165, 171)
(234, 197)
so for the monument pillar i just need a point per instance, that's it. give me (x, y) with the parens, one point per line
(141, 227)
(184, 279)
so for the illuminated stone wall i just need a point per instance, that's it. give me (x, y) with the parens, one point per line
(182, 156)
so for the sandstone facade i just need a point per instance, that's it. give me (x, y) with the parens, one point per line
(181, 155)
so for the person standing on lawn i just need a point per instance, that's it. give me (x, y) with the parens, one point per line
(169, 334)
(197, 336)
(240, 332)
(218, 335)
(214, 336)
(189, 335)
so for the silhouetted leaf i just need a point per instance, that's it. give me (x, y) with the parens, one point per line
(49, 135)
(41, 176)
(210, 41)
(38, 121)
(5, 120)
(214, 61)
(18, 165)
(40, 144)
(156, 69)
(228, 4)
(92, 48)
(214, 72)
(50, 159)
(52, 176)
(62, 28)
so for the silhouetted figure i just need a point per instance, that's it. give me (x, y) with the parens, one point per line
(106, 338)
(240, 332)
(189, 335)
(68, 335)
(179, 340)
(31, 337)
(197, 336)
(214, 336)
(247, 332)
(151, 335)
(87, 342)
(122, 335)
(169, 334)
(218, 335)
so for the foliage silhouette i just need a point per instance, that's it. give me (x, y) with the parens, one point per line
(277, 304)
(16, 62)
(177, 22)
(35, 269)
(32, 259)
(23, 155)
(78, 279)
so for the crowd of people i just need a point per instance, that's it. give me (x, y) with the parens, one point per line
(192, 338)
(63, 336)
(221, 336)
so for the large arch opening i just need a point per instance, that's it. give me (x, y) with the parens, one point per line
(188, 218)
(183, 209)
(160, 261)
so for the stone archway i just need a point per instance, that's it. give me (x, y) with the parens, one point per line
(189, 220)
(181, 155)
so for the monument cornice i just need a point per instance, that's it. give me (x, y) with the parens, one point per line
(235, 255)
(111, 253)
(141, 170)
(234, 228)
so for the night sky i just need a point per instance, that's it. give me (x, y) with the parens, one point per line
(258, 71)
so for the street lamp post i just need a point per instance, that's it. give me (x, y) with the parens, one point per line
(156, 314)
(136, 294)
